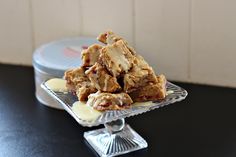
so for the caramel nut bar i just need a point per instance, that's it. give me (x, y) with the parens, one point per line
(84, 91)
(90, 55)
(101, 79)
(150, 92)
(75, 78)
(139, 76)
(108, 101)
(117, 58)
(110, 37)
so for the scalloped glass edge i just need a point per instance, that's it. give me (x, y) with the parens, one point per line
(67, 100)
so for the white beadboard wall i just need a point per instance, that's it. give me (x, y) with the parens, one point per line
(188, 40)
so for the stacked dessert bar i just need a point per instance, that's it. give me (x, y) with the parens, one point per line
(113, 76)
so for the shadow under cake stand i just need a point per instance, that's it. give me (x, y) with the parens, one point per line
(117, 137)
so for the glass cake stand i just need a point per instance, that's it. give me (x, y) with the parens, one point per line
(117, 137)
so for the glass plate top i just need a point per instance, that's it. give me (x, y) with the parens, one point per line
(67, 100)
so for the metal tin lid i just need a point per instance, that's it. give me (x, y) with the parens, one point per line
(56, 57)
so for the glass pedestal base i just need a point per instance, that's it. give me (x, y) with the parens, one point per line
(115, 139)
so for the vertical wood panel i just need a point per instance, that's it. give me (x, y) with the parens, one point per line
(55, 19)
(15, 32)
(162, 35)
(213, 48)
(102, 15)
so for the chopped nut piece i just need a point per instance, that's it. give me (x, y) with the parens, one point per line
(108, 101)
(117, 58)
(139, 76)
(91, 54)
(101, 79)
(150, 92)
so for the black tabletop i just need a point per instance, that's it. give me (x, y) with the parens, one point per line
(203, 125)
